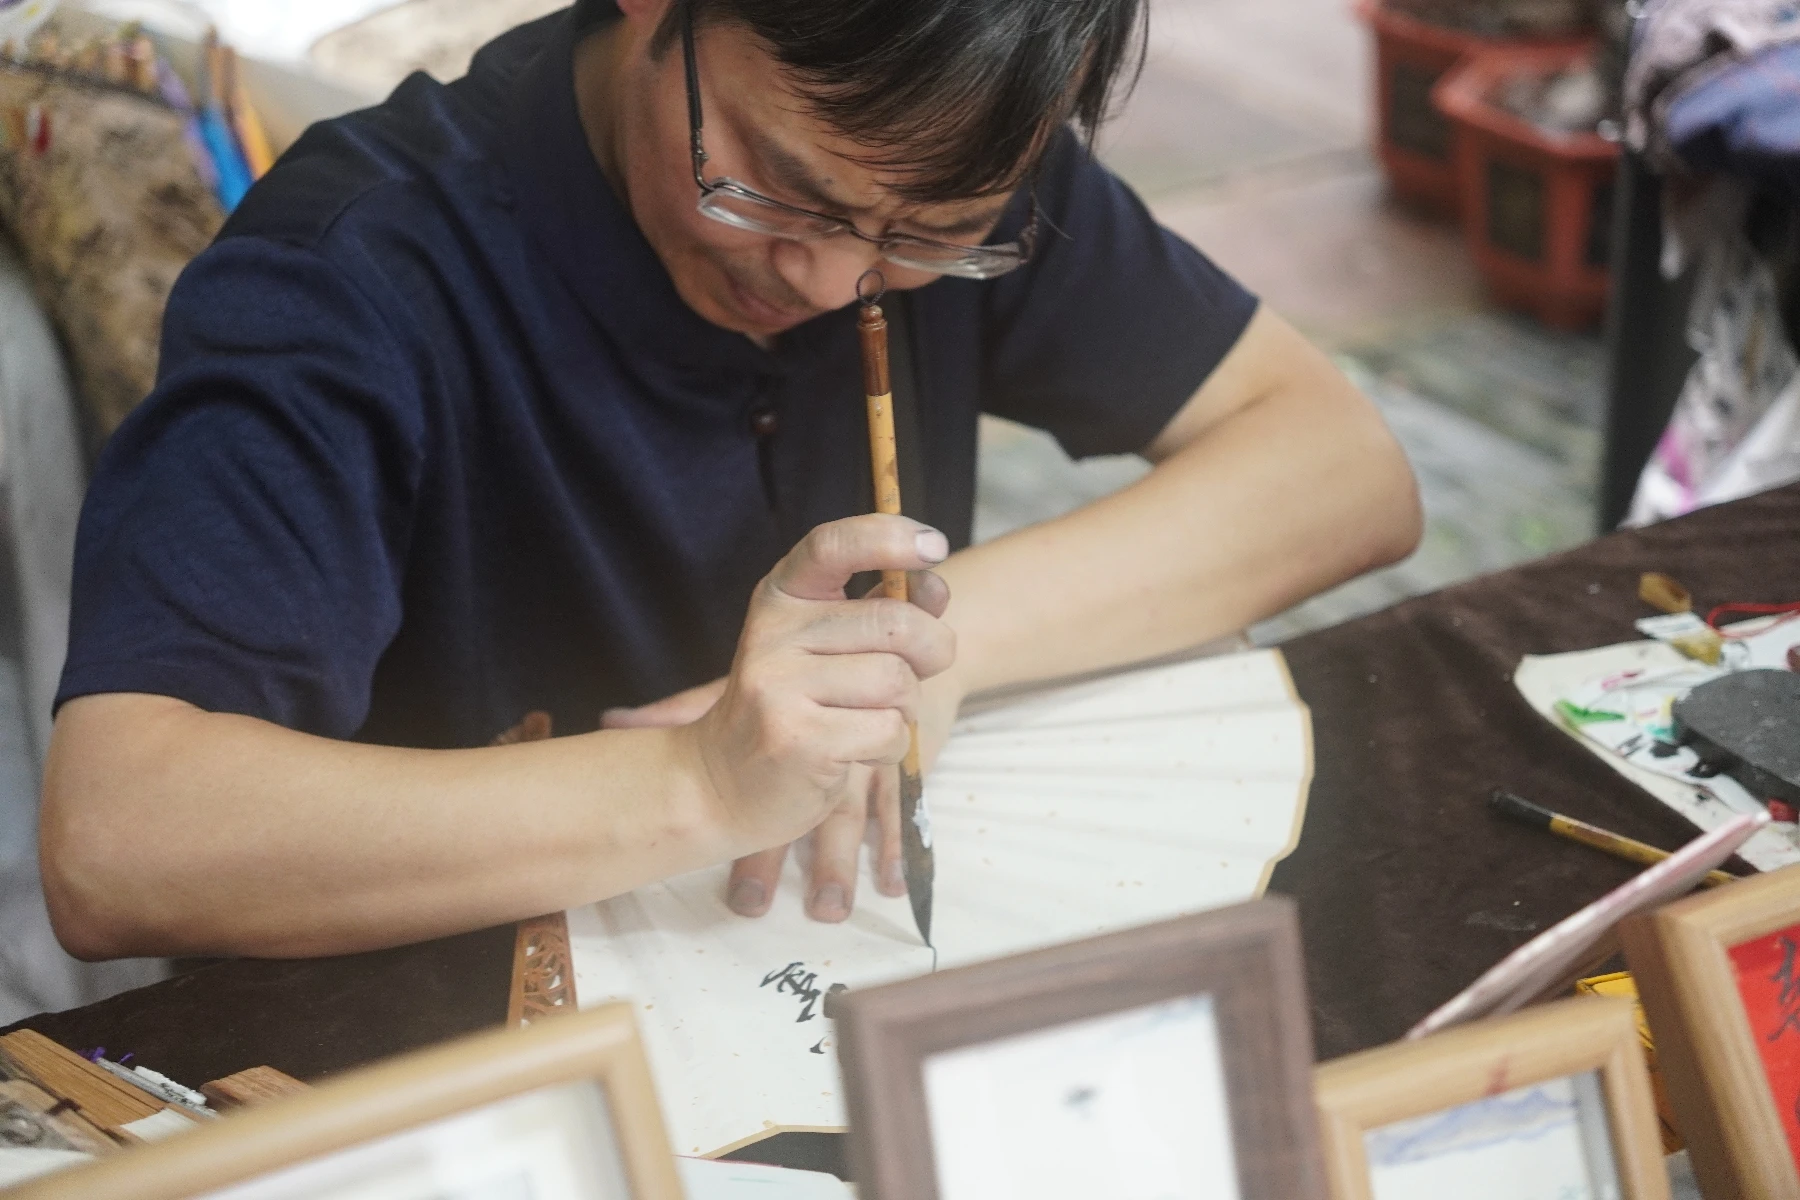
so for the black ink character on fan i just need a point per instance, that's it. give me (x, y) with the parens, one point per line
(795, 978)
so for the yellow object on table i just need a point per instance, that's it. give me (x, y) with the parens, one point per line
(1620, 983)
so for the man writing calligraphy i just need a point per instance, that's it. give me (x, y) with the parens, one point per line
(539, 391)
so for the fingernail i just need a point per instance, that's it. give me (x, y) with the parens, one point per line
(893, 878)
(933, 546)
(747, 897)
(612, 714)
(830, 903)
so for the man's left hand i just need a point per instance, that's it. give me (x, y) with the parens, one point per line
(836, 841)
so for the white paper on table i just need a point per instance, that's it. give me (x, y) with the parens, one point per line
(1056, 815)
(1544, 679)
(714, 1179)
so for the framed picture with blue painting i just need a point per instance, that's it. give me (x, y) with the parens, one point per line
(1553, 1103)
(1719, 977)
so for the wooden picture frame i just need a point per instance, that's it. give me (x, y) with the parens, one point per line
(587, 1069)
(1588, 1046)
(1514, 1061)
(1714, 1016)
(1232, 975)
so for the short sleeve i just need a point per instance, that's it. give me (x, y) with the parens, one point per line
(242, 542)
(1115, 322)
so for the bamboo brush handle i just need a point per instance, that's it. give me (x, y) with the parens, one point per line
(884, 458)
(883, 454)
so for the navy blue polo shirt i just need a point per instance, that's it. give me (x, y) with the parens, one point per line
(435, 442)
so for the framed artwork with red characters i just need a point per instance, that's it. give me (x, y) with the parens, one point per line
(1769, 985)
(1719, 978)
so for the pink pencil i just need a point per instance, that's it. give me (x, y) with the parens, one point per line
(1523, 975)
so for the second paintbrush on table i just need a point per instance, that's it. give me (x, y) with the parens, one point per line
(1526, 813)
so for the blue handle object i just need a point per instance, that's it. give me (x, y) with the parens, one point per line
(234, 172)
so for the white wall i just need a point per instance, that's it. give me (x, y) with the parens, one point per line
(278, 30)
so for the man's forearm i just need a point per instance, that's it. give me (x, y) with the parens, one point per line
(177, 831)
(1284, 496)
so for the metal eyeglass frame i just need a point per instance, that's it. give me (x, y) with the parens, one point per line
(973, 262)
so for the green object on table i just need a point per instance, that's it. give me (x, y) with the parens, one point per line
(1576, 715)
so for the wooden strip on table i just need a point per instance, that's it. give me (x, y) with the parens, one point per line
(252, 1087)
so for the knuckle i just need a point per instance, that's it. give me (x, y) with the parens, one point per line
(784, 732)
(890, 622)
(756, 684)
(946, 649)
(827, 543)
(763, 620)
(898, 738)
(900, 678)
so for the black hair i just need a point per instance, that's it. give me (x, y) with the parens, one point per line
(957, 97)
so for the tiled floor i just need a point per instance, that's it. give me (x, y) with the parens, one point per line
(1248, 134)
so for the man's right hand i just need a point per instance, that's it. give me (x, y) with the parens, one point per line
(822, 683)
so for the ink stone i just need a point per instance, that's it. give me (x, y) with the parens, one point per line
(1747, 725)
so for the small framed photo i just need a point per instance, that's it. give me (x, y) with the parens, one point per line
(1719, 977)
(1168, 1062)
(1552, 1103)
(563, 1110)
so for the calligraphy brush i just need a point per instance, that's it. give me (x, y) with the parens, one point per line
(917, 861)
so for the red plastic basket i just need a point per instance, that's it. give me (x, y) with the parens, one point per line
(1416, 143)
(1536, 204)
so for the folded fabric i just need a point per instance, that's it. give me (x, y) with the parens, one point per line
(1735, 429)
(1679, 44)
(1743, 119)
(108, 207)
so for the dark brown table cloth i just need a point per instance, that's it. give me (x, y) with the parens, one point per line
(1408, 889)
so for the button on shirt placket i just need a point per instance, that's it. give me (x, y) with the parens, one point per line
(764, 421)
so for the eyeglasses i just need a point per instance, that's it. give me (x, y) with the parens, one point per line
(731, 203)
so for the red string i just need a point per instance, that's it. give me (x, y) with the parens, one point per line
(1787, 612)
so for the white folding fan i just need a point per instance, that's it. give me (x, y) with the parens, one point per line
(1056, 814)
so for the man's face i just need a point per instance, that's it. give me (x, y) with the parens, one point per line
(758, 132)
